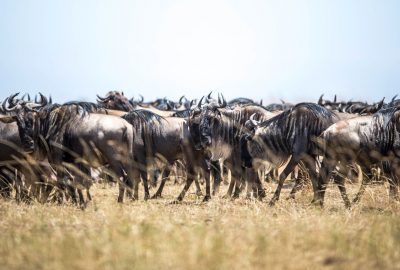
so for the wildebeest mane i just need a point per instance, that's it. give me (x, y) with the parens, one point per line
(304, 120)
(308, 109)
(182, 113)
(140, 117)
(55, 121)
(84, 106)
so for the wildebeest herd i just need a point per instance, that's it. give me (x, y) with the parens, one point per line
(49, 151)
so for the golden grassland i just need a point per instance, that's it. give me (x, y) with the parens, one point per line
(221, 234)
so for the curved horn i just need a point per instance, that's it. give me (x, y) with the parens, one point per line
(11, 99)
(122, 92)
(223, 101)
(261, 102)
(334, 99)
(141, 98)
(283, 102)
(180, 100)
(43, 100)
(5, 108)
(101, 99)
(50, 100)
(394, 98)
(219, 99)
(380, 104)
(252, 121)
(29, 97)
(320, 100)
(208, 99)
(199, 104)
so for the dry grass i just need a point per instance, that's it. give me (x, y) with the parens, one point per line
(221, 234)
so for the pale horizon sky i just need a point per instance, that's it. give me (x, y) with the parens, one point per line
(291, 50)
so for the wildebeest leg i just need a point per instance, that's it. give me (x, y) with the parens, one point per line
(206, 175)
(130, 174)
(294, 160)
(327, 166)
(5, 184)
(165, 176)
(237, 174)
(198, 188)
(82, 181)
(298, 182)
(253, 183)
(389, 170)
(143, 173)
(258, 188)
(190, 178)
(339, 180)
(154, 175)
(250, 182)
(366, 178)
(121, 193)
(215, 170)
(88, 195)
(232, 184)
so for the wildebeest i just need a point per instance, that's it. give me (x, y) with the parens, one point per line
(165, 140)
(30, 178)
(367, 141)
(217, 130)
(116, 100)
(290, 134)
(75, 137)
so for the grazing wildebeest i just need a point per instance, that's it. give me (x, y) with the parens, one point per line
(290, 134)
(367, 141)
(75, 137)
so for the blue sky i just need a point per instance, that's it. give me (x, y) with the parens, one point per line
(294, 50)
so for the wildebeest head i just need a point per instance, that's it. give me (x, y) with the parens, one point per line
(24, 115)
(250, 142)
(115, 100)
(202, 119)
(194, 120)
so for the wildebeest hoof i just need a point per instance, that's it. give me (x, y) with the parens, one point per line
(317, 203)
(226, 196)
(199, 193)
(272, 202)
(261, 194)
(83, 206)
(356, 200)
(156, 196)
(291, 197)
(206, 198)
(176, 202)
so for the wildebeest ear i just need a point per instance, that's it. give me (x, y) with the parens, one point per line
(8, 119)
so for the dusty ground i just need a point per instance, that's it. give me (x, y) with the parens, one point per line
(221, 234)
